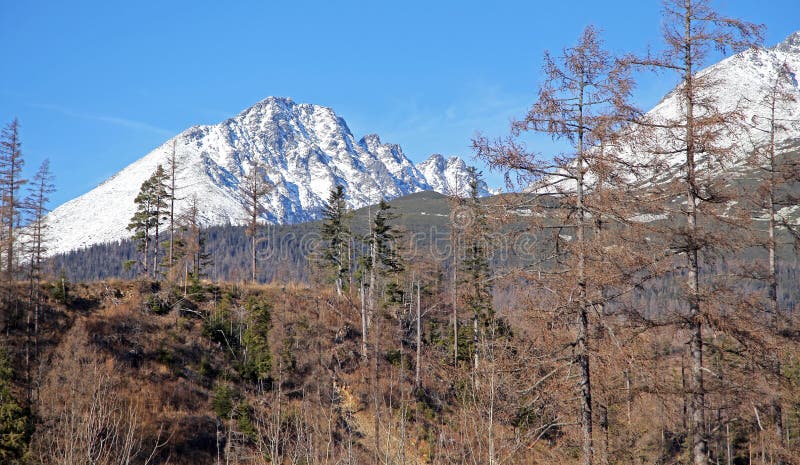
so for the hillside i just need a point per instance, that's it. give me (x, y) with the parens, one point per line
(191, 380)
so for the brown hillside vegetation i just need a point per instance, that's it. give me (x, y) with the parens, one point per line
(274, 374)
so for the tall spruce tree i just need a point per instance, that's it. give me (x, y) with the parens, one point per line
(335, 232)
(475, 265)
(383, 262)
(151, 204)
(384, 259)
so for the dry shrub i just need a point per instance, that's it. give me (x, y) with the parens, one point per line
(83, 417)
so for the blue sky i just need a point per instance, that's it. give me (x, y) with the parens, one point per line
(98, 84)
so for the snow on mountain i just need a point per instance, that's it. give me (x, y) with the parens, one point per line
(307, 149)
(449, 176)
(742, 84)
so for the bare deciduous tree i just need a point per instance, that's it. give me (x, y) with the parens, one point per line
(583, 96)
(84, 419)
(254, 187)
(696, 142)
(11, 180)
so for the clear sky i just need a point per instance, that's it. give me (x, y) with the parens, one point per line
(98, 84)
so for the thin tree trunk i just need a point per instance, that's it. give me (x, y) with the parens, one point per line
(475, 355)
(585, 388)
(629, 394)
(253, 254)
(147, 251)
(697, 404)
(172, 207)
(362, 292)
(699, 442)
(684, 392)
(773, 267)
(492, 395)
(605, 435)
(419, 339)
(455, 303)
(375, 391)
(373, 265)
(155, 245)
(583, 314)
(729, 455)
(10, 205)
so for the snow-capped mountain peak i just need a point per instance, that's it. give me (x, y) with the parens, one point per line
(449, 176)
(307, 149)
(739, 85)
(742, 83)
(790, 45)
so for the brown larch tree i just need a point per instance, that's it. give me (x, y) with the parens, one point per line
(777, 172)
(253, 188)
(36, 201)
(584, 93)
(11, 180)
(190, 248)
(695, 142)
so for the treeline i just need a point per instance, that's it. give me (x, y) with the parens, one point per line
(284, 257)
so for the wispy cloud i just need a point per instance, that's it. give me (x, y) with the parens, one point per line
(114, 120)
(482, 109)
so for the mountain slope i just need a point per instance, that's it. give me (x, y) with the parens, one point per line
(307, 149)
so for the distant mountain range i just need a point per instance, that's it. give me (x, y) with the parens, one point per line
(307, 149)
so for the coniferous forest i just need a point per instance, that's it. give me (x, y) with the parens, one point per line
(630, 299)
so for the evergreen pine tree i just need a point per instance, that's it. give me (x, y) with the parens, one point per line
(160, 212)
(335, 233)
(258, 358)
(150, 213)
(383, 237)
(13, 421)
(475, 265)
